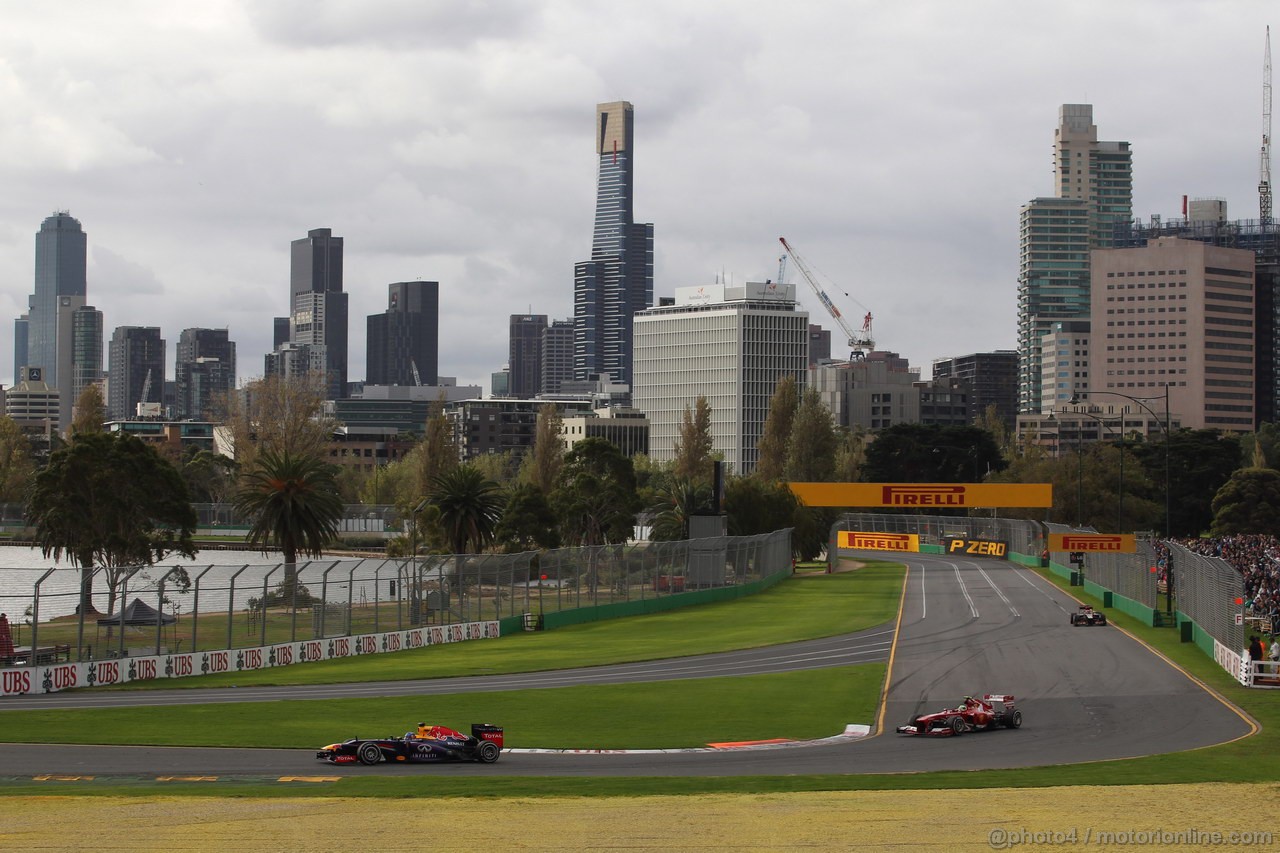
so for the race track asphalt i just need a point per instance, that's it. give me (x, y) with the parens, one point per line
(968, 627)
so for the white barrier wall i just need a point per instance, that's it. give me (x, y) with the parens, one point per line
(19, 681)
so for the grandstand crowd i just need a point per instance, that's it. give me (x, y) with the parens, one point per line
(1257, 558)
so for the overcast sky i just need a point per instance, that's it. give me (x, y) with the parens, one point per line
(891, 143)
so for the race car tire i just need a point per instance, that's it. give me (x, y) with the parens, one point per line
(1013, 719)
(957, 725)
(487, 752)
(1102, 618)
(1073, 619)
(369, 753)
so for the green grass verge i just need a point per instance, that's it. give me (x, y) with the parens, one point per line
(801, 608)
(667, 714)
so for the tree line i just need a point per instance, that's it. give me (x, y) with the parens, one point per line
(111, 501)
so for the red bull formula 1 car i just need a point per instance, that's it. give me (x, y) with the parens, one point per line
(992, 711)
(428, 744)
(1088, 616)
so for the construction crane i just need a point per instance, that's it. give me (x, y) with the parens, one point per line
(1264, 177)
(782, 269)
(860, 342)
(413, 366)
(146, 388)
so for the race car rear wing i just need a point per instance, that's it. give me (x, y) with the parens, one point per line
(995, 697)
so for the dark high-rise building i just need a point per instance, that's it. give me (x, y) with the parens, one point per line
(318, 306)
(86, 354)
(819, 344)
(525, 356)
(21, 328)
(205, 367)
(403, 343)
(992, 378)
(61, 247)
(279, 331)
(557, 356)
(135, 370)
(617, 282)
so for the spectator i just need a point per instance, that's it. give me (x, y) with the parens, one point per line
(1275, 648)
(1255, 648)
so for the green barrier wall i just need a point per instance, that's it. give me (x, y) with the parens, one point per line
(581, 615)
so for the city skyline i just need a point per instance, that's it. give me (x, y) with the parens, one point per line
(869, 137)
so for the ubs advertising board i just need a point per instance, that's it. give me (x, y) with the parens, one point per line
(859, 541)
(925, 495)
(18, 681)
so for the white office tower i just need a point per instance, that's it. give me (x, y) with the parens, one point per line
(730, 344)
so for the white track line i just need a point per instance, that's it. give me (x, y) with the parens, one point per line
(972, 607)
(992, 584)
(1024, 575)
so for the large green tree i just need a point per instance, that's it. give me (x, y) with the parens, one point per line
(772, 463)
(932, 453)
(527, 521)
(470, 506)
(1249, 502)
(1200, 461)
(291, 502)
(110, 502)
(811, 448)
(595, 496)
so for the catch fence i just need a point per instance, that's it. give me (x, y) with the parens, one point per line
(191, 608)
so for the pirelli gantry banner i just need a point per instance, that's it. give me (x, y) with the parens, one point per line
(1110, 543)
(858, 540)
(924, 495)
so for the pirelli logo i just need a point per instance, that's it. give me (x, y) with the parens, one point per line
(1114, 543)
(860, 541)
(924, 495)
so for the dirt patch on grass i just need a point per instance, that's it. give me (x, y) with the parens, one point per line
(1002, 818)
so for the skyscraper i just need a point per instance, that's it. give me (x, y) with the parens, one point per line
(205, 367)
(61, 247)
(525, 354)
(729, 344)
(86, 351)
(318, 307)
(617, 282)
(136, 369)
(403, 342)
(1093, 196)
(557, 356)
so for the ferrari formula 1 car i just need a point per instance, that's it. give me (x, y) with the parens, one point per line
(427, 744)
(1088, 616)
(972, 715)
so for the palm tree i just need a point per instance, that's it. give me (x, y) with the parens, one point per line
(293, 502)
(470, 506)
(676, 501)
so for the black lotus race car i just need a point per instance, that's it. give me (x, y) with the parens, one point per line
(1088, 616)
(427, 744)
